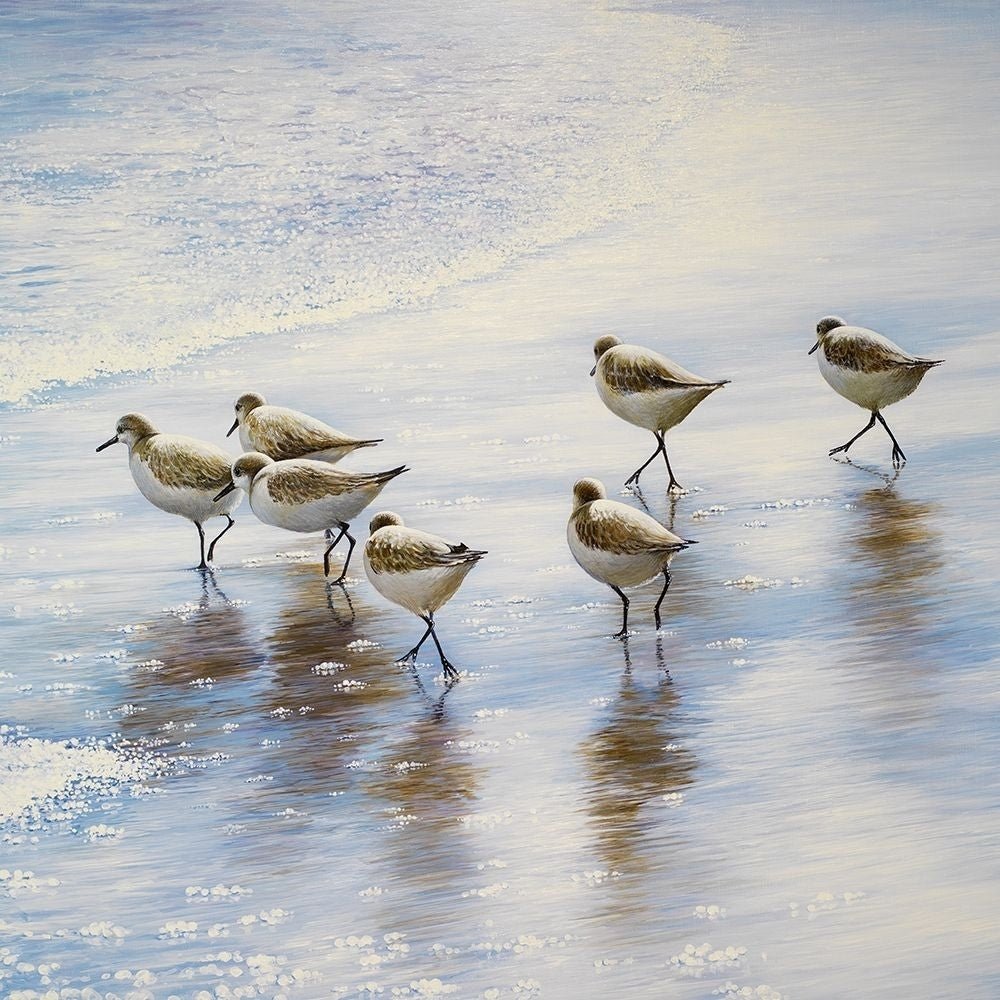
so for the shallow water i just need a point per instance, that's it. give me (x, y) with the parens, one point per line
(791, 790)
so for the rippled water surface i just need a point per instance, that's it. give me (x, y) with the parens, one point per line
(220, 784)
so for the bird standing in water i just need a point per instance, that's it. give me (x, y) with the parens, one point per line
(178, 474)
(619, 545)
(416, 570)
(300, 494)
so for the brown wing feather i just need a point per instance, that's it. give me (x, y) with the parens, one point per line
(179, 464)
(304, 483)
(390, 554)
(612, 534)
(307, 480)
(294, 440)
(640, 373)
(862, 354)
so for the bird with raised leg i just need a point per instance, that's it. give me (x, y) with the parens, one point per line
(300, 494)
(418, 571)
(649, 390)
(181, 475)
(869, 370)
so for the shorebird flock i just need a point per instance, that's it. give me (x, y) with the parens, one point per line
(288, 473)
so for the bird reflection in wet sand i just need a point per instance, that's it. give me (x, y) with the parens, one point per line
(309, 629)
(328, 688)
(426, 781)
(206, 644)
(893, 639)
(894, 556)
(637, 766)
(888, 480)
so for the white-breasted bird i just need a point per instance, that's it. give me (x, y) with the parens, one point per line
(869, 370)
(178, 474)
(648, 390)
(300, 494)
(416, 570)
(619, 545)
(281, 433)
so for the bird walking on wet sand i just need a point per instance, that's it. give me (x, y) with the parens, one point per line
(619, 545)
(869, 370)
(418, 571)
(648, 390)
(300, 494)
(178, 474)
(282, 433)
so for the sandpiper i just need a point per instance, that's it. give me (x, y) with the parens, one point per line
(283, 433)
(300, 494)
(869, 370)
(618, 545)
(416, 570)
(648, 390)
(178, 474)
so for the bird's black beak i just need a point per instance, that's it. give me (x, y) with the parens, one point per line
(236, 424)
(813, 348)
(223, 492)
(592, 370)
(107, 444)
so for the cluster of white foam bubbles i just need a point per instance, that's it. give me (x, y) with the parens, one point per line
(47, 782)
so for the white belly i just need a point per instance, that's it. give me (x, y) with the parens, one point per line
(420, 591)
(618, 569)
(871, 390)
(315, 516)
(656, 409)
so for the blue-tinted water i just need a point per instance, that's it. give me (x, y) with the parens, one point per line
(414, 221)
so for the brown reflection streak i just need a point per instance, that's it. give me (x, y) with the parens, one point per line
(316, 625)
(633, 760)
(896, 555)
(210, 641)
(423, 854)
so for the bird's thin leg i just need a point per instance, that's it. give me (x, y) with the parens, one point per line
(326, 555)
(670, 472)
(864, 430)
(446, 666)
(897, 453)
(211, 548)
(416, 649)
(663, 593)
(201, 539)
(625, 603)
(634, 478)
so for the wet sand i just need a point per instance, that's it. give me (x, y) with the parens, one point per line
(791, 789)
